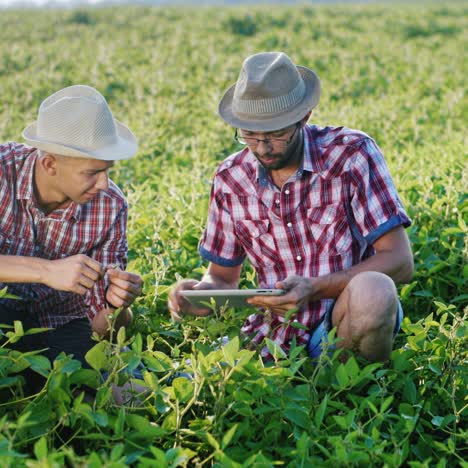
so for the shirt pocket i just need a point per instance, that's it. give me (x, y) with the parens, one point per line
(14, 245)
(257, 240)
(4, 244)
(330, 229)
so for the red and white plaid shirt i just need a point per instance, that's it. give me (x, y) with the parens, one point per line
(96, 229)
(324, 219)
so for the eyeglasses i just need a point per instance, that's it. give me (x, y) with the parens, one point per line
(250, 141)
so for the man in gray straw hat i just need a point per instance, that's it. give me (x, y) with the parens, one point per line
(63, 240)
(313, 209)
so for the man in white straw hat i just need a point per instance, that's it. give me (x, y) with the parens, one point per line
(313, 209)
(63, 244)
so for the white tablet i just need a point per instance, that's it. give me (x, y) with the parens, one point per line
(229, 297)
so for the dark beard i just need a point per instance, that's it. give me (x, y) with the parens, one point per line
(292, 155)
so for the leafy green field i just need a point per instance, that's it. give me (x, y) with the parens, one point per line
(396, 72)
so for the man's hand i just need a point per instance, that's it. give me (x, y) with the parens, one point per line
(178, 306)
(76, 274)
(299, 291)
(124, 287)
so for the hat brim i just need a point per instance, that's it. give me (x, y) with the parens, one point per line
(270, 122)
(125, 147)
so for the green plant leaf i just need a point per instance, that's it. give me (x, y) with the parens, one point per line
(97, 356)
(230, 350)
(298, 416)
(228, 436)
(183, 389)
(320, 412)
(342, 376)
(40, 448)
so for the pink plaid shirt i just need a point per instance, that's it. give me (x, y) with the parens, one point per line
(324, 219)
(96, 229)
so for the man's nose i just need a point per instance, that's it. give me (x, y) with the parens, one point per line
(103, 181)
(263, 147)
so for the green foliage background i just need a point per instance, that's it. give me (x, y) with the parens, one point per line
(395, 71)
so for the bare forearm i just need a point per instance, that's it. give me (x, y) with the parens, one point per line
(221, 277)
(218, 282)
(22, 269)
(76, 274)
(399, 268)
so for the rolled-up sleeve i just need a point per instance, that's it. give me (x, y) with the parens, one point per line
(376, 206)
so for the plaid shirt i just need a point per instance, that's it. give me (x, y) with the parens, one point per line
(324, 219)
(96, 229)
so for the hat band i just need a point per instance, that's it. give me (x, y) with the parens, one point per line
(271, 105)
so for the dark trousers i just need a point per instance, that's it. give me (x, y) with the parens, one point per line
(72, 338)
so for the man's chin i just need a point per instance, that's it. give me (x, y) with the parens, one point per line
(273, 165)
(87, 197)
(271, 162)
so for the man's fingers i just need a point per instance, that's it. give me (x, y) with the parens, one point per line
(122, 293)
(87, 282)
(120, 298)
(126, 286)
(79, 289)
(173, 305)
(273, 301)
(283, 310)
(280, 305)
(176, 317)
(90, 273)
(117, 273)
(94, 265)
(116, 300)
(176, 302)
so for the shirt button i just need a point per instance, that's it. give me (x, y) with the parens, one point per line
(289, 224)
(277, 201)
(286, 192)
(345, 139)
(298, 258)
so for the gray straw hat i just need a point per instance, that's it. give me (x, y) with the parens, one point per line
(77, 121)
(271, 93)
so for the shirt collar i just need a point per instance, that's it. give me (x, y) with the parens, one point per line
(24, 180)
(310, 159)
(25, 190)
(72, 211)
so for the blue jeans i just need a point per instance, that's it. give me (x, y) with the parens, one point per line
(320, 334)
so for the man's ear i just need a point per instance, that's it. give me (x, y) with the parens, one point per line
(49, 163)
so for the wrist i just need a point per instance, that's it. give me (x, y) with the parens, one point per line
(319, 288)
(41, 270)
(332, 285)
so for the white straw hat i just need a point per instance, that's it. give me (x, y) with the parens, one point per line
(77, 121)
(271, 93)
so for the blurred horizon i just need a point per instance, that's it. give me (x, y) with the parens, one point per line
(84, 3)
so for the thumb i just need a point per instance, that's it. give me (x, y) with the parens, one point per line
(282, 285)
(286, 284)
(113, 270)
(200, 285)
